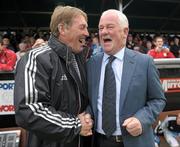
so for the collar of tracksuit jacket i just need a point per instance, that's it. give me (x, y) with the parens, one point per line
(64, 52)
(60, 48)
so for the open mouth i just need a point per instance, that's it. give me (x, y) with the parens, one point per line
(82, 41)
(107, 39)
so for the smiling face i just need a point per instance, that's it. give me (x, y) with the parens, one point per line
(112, 32)
(159, 42)
(75, 34)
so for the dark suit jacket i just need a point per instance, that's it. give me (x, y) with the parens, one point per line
(141, 94)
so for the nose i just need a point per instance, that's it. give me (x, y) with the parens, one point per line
(86, 33)
(103, 31)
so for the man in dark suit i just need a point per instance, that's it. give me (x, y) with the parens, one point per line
(139, 97)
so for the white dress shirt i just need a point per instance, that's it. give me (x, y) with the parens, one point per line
(117, 66)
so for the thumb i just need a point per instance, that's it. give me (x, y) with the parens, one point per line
(87, 116)
(126, 122)
(81, 114)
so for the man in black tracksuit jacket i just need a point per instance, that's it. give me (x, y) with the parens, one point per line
(50, 95)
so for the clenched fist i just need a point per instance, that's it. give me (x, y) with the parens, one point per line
(133, 126)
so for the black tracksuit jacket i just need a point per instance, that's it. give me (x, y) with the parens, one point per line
(49, 95)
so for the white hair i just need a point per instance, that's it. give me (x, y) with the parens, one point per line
(123, 21)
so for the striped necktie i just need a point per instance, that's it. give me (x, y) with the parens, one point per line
(109, 100)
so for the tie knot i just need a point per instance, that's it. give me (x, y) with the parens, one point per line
(111, 58)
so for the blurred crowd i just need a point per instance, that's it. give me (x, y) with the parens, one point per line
(14, 44)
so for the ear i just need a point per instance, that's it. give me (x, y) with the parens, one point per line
(126, 31)
(61, 29)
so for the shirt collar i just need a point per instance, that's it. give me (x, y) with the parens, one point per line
(119, 55)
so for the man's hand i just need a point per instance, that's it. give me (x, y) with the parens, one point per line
(133, 126)
(87, 124)
(166, 50)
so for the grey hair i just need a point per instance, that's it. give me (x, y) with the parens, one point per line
(123, 21)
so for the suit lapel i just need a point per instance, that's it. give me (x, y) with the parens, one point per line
(96, 77)
(128, 70)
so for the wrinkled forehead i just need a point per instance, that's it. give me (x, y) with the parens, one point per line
(79, 19)
(108, 19)
(109, 15)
